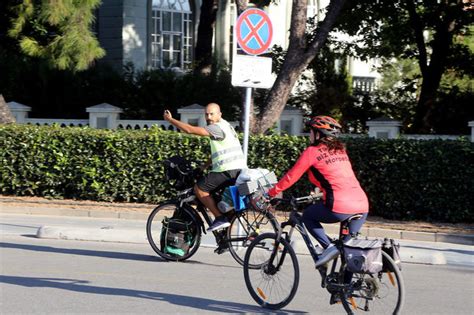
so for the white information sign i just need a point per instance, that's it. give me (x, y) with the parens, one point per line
(252, 71)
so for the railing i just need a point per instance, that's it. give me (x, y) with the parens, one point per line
(121, 124)
(60, 122)
(144, 124)
(165, 125)
(431, 137)
(108, 116)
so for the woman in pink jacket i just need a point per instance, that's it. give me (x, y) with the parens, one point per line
(328, 167)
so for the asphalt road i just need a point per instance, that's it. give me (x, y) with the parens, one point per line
(41, 276)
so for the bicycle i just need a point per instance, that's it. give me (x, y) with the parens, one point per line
(186, 223)
(271, 270)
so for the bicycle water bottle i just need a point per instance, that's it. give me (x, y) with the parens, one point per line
(224, 207)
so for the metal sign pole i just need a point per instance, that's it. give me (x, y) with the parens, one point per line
(248, 99)
(247, 35)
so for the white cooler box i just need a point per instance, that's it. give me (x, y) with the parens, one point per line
(266, 181)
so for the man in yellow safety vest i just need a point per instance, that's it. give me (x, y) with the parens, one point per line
(227, 158)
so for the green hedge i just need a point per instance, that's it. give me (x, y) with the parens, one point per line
(405, 179)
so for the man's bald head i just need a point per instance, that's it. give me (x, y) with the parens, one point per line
(213, 113)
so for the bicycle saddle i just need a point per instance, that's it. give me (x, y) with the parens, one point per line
(353, 217)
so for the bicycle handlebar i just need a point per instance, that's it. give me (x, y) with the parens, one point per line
(294, 201)
(188, 172)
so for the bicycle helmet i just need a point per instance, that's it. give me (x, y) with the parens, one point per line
(326, 125)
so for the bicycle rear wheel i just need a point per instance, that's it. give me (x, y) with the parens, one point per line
(156, 238)
(244, 227)
(274, 283)
(381, 293)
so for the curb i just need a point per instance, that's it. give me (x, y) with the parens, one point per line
(126, 215)
(102, 234)
(110, 234)
(330, 228)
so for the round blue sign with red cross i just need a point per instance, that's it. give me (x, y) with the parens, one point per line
(254, 31)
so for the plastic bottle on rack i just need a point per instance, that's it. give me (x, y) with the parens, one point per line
(224, 207)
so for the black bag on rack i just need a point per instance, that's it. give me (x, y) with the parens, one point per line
(176, 236)
(363, 255)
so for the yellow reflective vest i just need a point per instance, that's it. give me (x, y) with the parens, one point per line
(227, 154)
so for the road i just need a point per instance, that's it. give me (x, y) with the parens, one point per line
(62, 276)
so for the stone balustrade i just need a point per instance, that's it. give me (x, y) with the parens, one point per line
(107, 116)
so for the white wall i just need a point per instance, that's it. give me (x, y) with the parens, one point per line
(280, 16)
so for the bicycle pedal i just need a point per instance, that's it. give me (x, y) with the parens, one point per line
(335, 299)
(323, 272)
(220, 250)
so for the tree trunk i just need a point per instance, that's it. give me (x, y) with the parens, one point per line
(442, 42)
(5, 113)
(299, 55)
(203, 51)
(241, 6)
(279, 94)
(429, 87)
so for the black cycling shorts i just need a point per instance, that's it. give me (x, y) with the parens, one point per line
(217, 180)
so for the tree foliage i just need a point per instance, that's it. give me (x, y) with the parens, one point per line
(304, 45)
(428, 31)
(58, 31)
(325, 90)
(142, 94)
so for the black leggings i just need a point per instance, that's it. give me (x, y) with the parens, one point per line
(316, 213)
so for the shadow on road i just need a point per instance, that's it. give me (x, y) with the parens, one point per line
(84, 252)
(196, 262)
(105, 254)
(182, 300)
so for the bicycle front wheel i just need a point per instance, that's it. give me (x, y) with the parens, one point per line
(381, 293)
(274, 283)
(244, 227)
(157, 236)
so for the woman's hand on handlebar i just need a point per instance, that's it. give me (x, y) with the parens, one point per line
(275, 201)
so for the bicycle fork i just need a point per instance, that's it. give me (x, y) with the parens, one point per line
(271, 268)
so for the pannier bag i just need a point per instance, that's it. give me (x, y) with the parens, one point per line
(176, 236)
(363, 256)
(393, 250)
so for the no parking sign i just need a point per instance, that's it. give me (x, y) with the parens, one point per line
(254, 31)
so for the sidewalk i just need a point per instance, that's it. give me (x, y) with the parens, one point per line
(374, 227)
(115, 223)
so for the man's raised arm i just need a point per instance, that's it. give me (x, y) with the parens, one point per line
(187, 128)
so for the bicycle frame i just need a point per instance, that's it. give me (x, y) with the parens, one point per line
(295, 222)
(186, 197)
